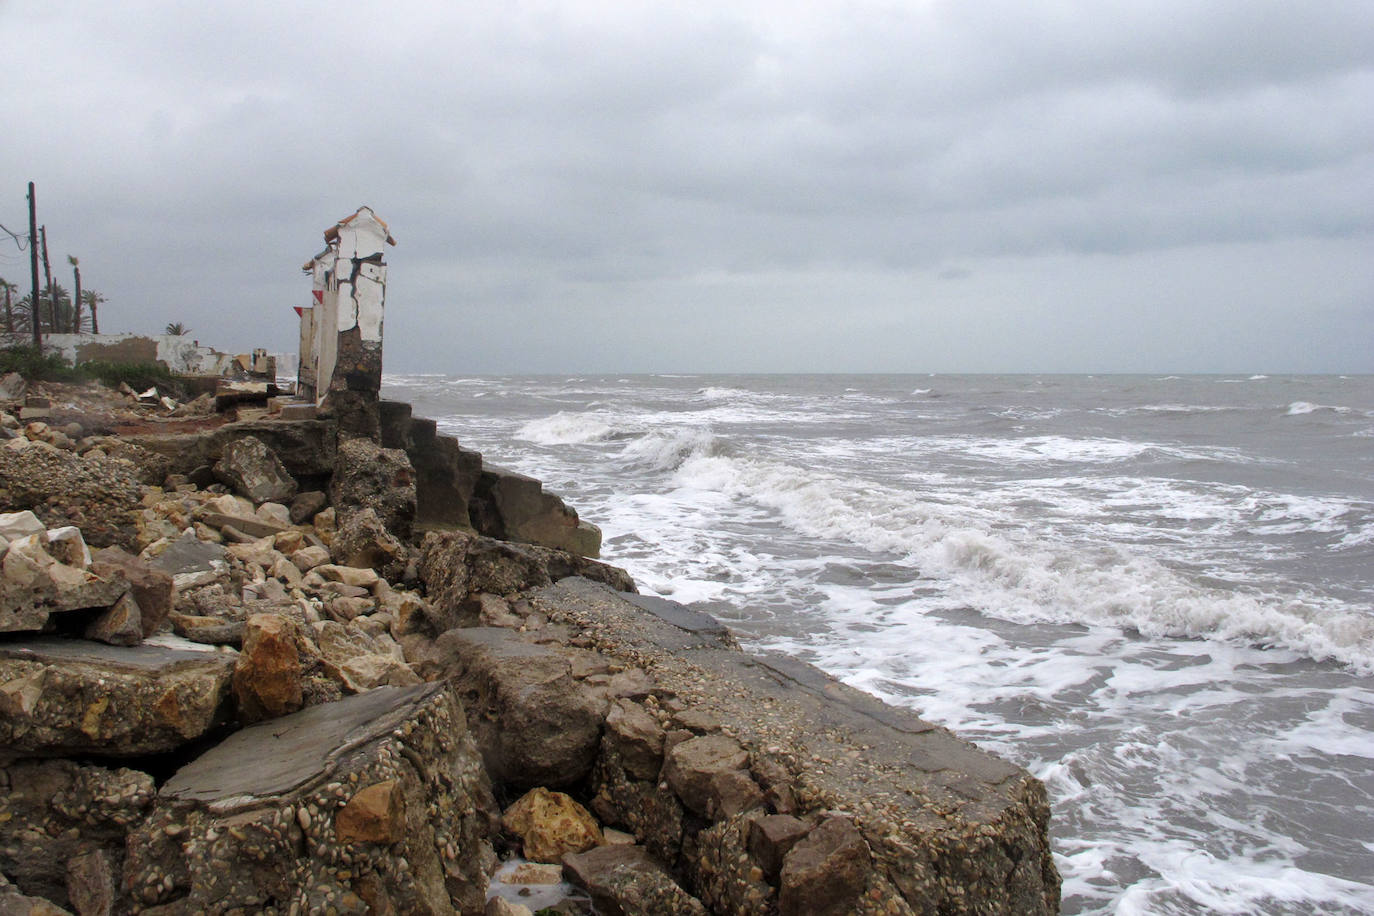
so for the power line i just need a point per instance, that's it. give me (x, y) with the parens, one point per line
(23, 241)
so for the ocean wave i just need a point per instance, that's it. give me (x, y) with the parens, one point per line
(1300, 408)
(987, 561)
(669, 450)
(566, 429)
(723, 394)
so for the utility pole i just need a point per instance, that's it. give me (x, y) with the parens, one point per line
(76, 295)
(33, 268)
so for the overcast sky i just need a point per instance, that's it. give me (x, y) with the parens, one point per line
(980, 185)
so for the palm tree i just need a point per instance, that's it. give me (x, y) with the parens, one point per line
(92, 299)
(176, 328)
(9, 289)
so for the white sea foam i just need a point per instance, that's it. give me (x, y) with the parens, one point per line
(1299, 408)
(566, 429)
(1010, 573)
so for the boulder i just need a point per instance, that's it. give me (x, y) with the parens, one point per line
(15, 525)
(119, 625)
(154, 589)
(534, 724)
(33, 586)
(67, 697)
(706, 774)
(362, 540)
(375, 803)
(635, 738)
(306, 506)
(625, 881)
(367, 476)
(268, 675)
(771, 837)
(550, 824)
(457, 567)
(63, 829)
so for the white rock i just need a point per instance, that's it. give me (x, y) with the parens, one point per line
(18, 524)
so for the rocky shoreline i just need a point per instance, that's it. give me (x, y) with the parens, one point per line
(272, 661)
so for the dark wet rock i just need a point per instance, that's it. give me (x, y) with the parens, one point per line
(249, 467)
(534, 724)
(626, 881)
(255, 822)
(68, 697)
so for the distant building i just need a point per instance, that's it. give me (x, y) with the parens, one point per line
(341, 332)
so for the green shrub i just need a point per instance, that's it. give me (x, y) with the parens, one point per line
(138, 376)
(34, 366)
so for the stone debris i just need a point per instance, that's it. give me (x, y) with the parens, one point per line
(551, 824)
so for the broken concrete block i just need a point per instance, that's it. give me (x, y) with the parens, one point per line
(535, 725)
(120, 625)
(253, 469)
(153, 588)
(108, 700)
(255, 821)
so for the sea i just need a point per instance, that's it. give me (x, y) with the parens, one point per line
(1156, 593)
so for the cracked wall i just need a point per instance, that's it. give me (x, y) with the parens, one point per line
(341, 350)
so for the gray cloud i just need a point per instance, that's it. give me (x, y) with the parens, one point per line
(581, 186)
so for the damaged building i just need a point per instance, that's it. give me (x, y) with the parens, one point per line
(341, 333)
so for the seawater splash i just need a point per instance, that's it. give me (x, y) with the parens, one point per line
(566, 429)
(1007, 572)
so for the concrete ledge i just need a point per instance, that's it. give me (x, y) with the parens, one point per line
(949, 828)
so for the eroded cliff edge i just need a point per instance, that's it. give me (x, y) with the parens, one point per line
(387, 643)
